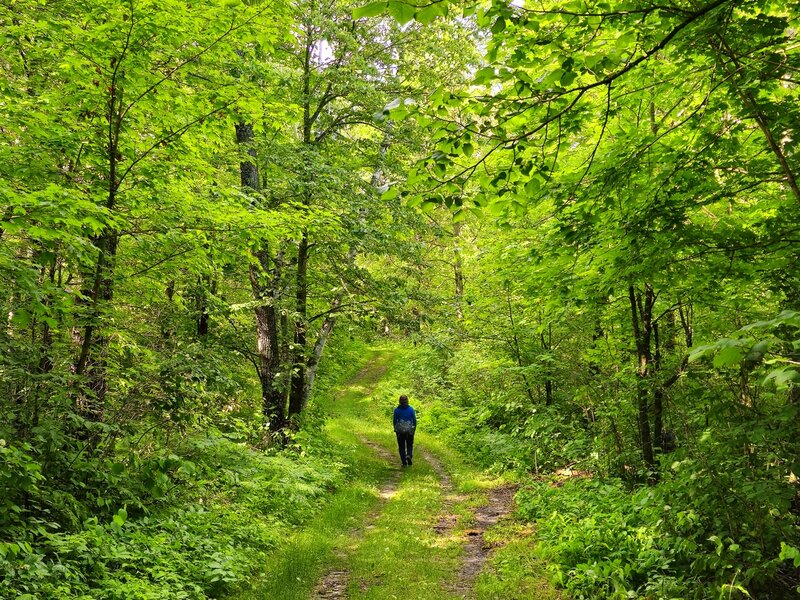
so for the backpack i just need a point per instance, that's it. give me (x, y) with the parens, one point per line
(404, 426)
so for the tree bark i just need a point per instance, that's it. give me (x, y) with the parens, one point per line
(298, 377)
(316, 355)
(658, 395)
(642, 322)
(296, 398)
(207, 286)
(458, 271)
(266, 322)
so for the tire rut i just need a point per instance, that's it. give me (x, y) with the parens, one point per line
(448, 520)
(476, 549)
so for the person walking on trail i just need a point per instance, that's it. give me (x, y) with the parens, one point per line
(405, 424)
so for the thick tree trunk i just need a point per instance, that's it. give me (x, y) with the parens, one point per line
(267, 346)
(263, 293)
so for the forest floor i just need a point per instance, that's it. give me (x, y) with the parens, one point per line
(440, 529)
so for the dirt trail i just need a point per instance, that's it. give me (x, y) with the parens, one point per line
(367, 379)
(334, 583)
(476, 550)
(448, 520)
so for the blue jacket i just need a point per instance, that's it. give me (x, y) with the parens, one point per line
(405, 419)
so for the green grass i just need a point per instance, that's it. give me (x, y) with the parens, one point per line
(295, 569)
(402, 555)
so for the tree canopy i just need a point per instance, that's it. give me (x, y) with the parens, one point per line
(581, 218)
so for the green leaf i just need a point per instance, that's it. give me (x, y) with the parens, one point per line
(402, 12)
(554, 77)
(428, 206)
(21, 318)
(428, 14)
(390, 194)
(370, 10)
(532, 187)
(783, 377)
(700, 352)
(728, 356)
(120, 517)
(568, 77)
(484, 75)
(790, 553)
(414, 201)
(499, 25)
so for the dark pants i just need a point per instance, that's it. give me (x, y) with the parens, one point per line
(405, 443)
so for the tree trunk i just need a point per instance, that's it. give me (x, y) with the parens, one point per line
(45, 360)
(458, 273)
(266, 322)
(92, 360)
(296, 398)
(642, 321)
(301, 279)
(207, 287)
(597, 335)
(658, 395)
(316, 355)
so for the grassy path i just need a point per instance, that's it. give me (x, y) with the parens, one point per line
(437, 530)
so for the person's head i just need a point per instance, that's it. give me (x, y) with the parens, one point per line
(403, 400)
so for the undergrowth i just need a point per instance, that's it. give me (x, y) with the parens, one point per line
(189, 516)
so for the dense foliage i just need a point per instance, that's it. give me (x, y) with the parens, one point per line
(584, 214)
(185, 191)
